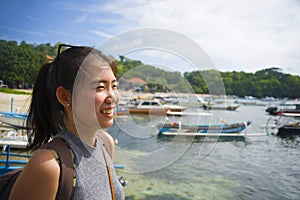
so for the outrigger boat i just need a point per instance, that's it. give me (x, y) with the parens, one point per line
(288, 125)
(289, 130)
(15, 120)
(224, 129)
(220, 107)
(287, 109)
(17, 139)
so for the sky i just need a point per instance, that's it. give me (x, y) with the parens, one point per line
(248, 35)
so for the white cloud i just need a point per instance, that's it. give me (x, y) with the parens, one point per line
(101, 33)
(249, 34)
(240, 35)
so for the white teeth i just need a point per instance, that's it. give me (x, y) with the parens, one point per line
(108, 111)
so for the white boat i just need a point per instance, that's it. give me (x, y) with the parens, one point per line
(189, 113)
(146, 106)
(14, 138)
(174, 108)
(171, 100)
(152, 106)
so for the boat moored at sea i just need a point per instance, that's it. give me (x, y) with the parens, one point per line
(17, 139)
(223, 129)
(152, 106)
(286, 108)
(289, 130)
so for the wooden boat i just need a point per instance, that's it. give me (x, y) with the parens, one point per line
(121, 111)
(287, 112)
(286, 124)
(232, 129)
(285, 109)
(146, 107)
(152, 106)
(174, 108)
(220, 107)
(290, 127)
(289, 130)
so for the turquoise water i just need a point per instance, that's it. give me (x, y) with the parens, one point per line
(261, 167)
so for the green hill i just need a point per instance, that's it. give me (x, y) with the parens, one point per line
(19, 64)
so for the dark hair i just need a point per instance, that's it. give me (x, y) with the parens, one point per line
(46, 114)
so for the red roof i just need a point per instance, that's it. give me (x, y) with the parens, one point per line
(137, 80)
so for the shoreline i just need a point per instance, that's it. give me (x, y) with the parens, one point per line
(20, 102)
(14, 102)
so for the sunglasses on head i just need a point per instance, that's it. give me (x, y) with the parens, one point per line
(60, 46)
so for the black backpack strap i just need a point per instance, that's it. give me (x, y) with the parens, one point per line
(67, 167)
(7, 182)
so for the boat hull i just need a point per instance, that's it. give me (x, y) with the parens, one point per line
(203, 130)
(147, 111)
(221, 107)
(289, 130)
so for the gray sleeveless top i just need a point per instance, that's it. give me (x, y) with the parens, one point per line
(92, 180)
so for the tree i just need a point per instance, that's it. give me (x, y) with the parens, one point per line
(19, 65)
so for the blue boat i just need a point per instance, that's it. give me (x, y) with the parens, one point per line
(232, 129)
(13, 119)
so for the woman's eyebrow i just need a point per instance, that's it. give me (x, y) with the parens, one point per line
(103, 81)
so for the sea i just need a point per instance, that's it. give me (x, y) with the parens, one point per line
(258, 167)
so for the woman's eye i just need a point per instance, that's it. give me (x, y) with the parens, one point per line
(100, 87)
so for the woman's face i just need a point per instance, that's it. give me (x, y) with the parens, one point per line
(96, 95)
(106, 98)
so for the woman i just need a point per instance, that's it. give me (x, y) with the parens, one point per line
(73, 98)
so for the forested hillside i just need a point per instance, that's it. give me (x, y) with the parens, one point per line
(19, 64)
(268, 82)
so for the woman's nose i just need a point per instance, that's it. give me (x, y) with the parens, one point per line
(112, 97)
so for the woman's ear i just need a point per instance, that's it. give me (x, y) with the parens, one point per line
(63, 96)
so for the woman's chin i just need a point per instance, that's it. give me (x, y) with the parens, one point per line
(106, 124)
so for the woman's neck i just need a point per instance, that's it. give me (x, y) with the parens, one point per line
(87, 135)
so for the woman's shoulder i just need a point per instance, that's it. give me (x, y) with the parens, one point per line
(44, 161)
(42, 172)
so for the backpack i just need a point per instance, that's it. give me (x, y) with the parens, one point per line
(67, 172)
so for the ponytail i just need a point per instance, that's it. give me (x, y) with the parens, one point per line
(43, 118)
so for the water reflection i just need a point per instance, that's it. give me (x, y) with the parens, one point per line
(291, 141)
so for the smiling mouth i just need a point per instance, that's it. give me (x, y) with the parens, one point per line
(107, 111)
